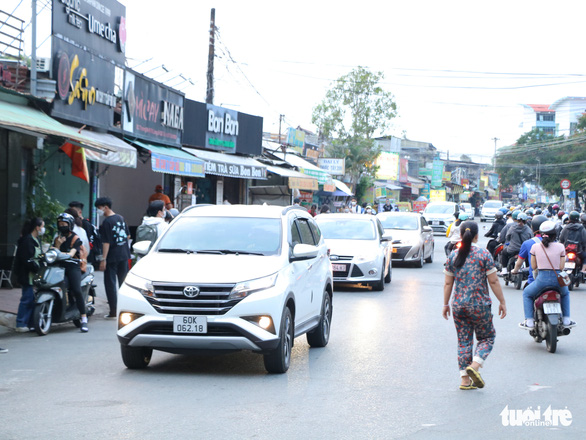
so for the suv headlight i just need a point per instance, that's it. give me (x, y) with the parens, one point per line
(245, 288)
(144, 286)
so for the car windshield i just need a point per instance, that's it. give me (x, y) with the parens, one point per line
(493, 204)
(221, 235)
(439, 209)
(347, 229)
(404, 222)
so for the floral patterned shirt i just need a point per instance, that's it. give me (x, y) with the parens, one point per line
(470, 285)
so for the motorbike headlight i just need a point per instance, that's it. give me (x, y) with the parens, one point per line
(245, 288)
(144, 286)
(51, 256)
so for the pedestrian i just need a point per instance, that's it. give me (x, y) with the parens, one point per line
(158, 195)
(93, 235)
(325, 209)
(355, 207)
(313, 210)
(67, 241)
(154, 223)
(466, 273)
(114, 234)
(26, 266)
(387, 207)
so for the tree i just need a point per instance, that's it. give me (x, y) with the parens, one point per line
(353, 112)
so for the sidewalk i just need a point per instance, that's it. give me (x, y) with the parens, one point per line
(10, 298)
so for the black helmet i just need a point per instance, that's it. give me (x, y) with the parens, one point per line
(67, 218)
(498, 214)
(574, 216)
(537, 221)
(538, 211)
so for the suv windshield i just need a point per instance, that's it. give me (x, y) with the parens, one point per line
(439, 209)
(221, 235)
(406, 222)
(347, 229)
(492, 204)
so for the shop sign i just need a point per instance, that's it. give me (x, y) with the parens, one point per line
(437, 195)
(84, 86)
(334, 166)
(419, 206)
(314, 154)
(403, 170)
(328, 187)
(235, 170)
(437, 172)
(446, 176)
(173, 165)
(303, 183)
(152, 111)
(296, 138)
(321, 176)
(388, 164)
(306, 197)
(380, 192)
(222, 129)
(404, 206)
(425, 172)
(493, 180)
(425, 190)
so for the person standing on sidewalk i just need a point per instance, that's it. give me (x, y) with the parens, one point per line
(468, 269)
(116, 253)
(26, 265)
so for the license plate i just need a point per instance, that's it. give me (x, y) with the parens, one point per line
(570, 265)
(552, 307)
(339, 267)
(190, 324)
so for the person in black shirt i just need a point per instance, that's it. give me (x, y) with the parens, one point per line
(67, 241)
(114, 234)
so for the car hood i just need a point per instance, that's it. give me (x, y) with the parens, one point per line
(205, 268)
(352, 247)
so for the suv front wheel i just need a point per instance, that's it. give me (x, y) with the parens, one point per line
(278, 360)
(136, 358)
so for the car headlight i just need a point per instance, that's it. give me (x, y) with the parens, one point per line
(245, 288)
(144, 286)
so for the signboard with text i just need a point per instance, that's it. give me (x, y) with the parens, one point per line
(437, 172)
(334, 166)
(388, 164)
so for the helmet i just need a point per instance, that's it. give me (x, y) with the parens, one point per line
(67, 218)
(583, 218)
(509, 213)
(561, 214)
(574, 216)
(538, 211)
(565, 219)
(537, 221)
(503, 210)
(529, 212)
(547, 213)
(463, 216)
(498, 214)
(556, 206)
(516, 213)
(547, 227)
(522, 217)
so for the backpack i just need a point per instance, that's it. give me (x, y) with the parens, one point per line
(573, 241)
(83, 253)
(147, 233)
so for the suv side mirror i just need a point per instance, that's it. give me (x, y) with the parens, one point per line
(141, 248)
(304, 252)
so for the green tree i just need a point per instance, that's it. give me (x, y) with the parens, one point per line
(354, 111)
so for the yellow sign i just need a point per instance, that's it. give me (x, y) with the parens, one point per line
(303, 183)
(447, 176)
(388, 164)
(80, 89)
(404, 206)
(380, 192)
(437, 195)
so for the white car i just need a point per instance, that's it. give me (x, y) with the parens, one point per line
(489, 209)
(412, 237)
(440, 215)
(225, 278)
(360, 251)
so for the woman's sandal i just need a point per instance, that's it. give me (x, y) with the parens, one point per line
(471, 386)
(475, 376)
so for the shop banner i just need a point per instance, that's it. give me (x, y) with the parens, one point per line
(174, 165)
(403, 170)
(302, 183)
(404, 206)
(296, 138)
(437, 173)
(425, 191)
(419, 206)
(437, 195)
(446, 176)
(493, 180)
(425, 172)
(388, 164)
(334, 166)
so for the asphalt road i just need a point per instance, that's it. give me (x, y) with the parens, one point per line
(389, 371)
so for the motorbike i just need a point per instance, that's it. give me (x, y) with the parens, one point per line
(573, 267)
(514, 278)
(496, 255)
(547, 312)
(449, 247)
(53, 304)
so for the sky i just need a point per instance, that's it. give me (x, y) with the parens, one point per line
(458, 70)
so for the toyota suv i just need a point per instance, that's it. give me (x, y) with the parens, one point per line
(489, 209)
(226, 278)
(439, 215)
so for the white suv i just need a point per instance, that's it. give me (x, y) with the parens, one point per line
(226, 278)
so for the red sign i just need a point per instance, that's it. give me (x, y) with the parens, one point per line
(419, 206)
(565, 184)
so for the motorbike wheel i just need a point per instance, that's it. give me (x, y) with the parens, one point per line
(42, 318)
(506, 278)
(551, 339)
(571, 285)
(518, 281)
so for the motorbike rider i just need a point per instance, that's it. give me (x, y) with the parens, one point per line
(493, 232)
(524, 253)
(515, 235)
(575, 233)
(547, 276)
(453, 232)
(67, 241)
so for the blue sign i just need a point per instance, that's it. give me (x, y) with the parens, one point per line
(572, 194)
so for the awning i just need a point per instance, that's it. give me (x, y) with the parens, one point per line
(33, 122)
(230, 165)
(124, 155)
(173, 160)
(295, 178)
(343, 187)
(305, 167)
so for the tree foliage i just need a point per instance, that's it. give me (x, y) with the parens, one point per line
(353, 112)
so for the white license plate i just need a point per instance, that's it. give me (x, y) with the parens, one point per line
(570, 265)
(339, 267)
(190, 324)
(552, 307)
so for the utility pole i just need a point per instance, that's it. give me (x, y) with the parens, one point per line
(283, 148)
(34, 49)
(494, 159)
(210, 74)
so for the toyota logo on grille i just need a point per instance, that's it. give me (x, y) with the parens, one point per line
(191, 291)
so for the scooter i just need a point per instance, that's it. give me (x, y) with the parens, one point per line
(573, 267)
(53, 304)
(547, 313)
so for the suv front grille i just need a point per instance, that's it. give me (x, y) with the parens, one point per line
(212, 299)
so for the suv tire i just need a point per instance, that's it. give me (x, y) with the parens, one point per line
(136, 358)
(278, 360)
(320, 335)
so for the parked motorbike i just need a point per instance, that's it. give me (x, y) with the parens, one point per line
(53, 304)
(547, 312)
(573, 267)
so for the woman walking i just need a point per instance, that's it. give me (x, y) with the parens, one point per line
(468, 270)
